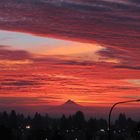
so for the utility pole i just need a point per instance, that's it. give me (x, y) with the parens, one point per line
(110, 113)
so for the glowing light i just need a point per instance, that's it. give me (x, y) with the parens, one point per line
(102, 130)
(28, 127)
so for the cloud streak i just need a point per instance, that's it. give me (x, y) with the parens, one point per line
(113, 24)
(7, 54)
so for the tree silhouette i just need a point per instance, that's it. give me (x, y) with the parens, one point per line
(13, 127)
(121, 122)
(13, 119)
(79, 120)
(91, 129)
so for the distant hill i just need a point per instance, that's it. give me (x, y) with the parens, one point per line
(70, 104)
(69, 107)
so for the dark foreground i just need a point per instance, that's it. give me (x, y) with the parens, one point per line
(17, 127)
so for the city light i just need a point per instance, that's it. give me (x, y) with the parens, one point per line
(28, 127)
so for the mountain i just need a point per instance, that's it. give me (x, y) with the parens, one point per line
(68, 108)
(70, 104)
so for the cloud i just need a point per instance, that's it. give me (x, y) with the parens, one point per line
(107, 22)
(74, 62)
(132, 97)
(25, 101)
(135, 82)
(115, 25)
(7, 54)
(3, 46)
(20, 83)
(128, 67)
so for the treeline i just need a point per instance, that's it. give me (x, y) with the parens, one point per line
(78, 121)
(15, 126)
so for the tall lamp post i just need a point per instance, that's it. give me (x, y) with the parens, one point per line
(110, 112)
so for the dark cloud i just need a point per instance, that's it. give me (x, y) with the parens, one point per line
(18, 99)
(114, 24)
(7, 54)
(113, 53)
(25, 100)
(20, 83)
(128, 67)
(3, 47)
(131, 97)
(82, 63)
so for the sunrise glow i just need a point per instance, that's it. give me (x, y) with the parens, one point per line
(81, 51)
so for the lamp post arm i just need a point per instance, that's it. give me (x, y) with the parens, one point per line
(110, 112)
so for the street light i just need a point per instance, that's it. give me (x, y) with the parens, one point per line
(109, 118)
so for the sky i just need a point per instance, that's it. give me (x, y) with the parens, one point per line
(55, 50)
